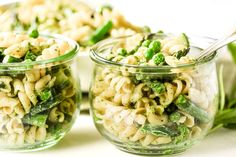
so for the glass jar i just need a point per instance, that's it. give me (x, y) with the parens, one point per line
(39, 101)
(136, 119)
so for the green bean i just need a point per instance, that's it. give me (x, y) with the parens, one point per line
(159, 130)
(101, 32)
(189, 107)
(37, 119)
(45, 105)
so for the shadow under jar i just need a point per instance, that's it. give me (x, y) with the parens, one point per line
(39, 94)
(152, 110)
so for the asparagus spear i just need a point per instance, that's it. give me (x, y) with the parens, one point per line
(10, 59)
(38, 119)
(45, 105)
(159, 130)
(100, 32)
(177, 132)
(189, 107)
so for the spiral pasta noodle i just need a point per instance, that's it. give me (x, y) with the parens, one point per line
(144, 107)
(38, 104)
(74, 19)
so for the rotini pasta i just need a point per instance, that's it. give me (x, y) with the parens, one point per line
(37, 104)
(74, 19)
(150, 105)
(5, 84)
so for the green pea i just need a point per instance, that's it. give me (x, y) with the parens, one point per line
(149, 54)
(146, 43)
(182, 101)
(122, 51)
(34, 33)
(174, 117)
(155, 45)
(146, 29)
(158, 58)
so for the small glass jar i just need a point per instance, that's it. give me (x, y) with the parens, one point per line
(136, 119)
(39, 100)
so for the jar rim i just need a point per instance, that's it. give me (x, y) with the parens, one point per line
(102, 46)
(62, 58)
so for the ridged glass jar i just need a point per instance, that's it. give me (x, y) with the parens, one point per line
(33, 119)
(136, 119)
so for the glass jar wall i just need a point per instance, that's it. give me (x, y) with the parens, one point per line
(152, 110)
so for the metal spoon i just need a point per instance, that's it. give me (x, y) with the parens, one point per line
(211, 50)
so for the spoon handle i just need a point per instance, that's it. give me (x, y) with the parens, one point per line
(211, 50)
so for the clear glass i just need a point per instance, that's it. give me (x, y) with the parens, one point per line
(136, 119)
(32, 119)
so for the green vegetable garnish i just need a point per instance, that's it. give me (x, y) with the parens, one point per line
(159, 130)
(159, 59)
(146, 43)
(34, 33)
(183, 133)
(226, 117)
(122, 51)
(101, 32)
(183, 38)
(149, 54)
(31, 56)
(45, 94)
(10, 59)
(181, 53)
(189, 107)
(175, 117)
(155, 46)
(156, 86)
(37, 119)
(56, 129)
(45, 105)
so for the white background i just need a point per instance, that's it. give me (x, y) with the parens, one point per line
(201, 17)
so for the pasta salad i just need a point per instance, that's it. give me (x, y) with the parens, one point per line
(38, 104)
(72, 18)
(143, 98)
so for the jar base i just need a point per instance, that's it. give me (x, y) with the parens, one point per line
(34, 147)
(147, 150)
(153, 151)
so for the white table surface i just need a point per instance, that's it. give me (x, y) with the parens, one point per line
(84, 141)
(188, 16)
